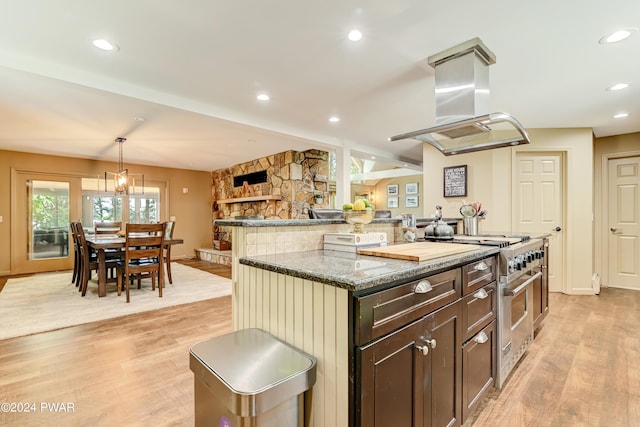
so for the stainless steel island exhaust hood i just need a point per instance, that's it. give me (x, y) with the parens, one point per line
(463, 121)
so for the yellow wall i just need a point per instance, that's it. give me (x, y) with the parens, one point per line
(192, 210)
(490, 182)
(604, 149)
(380, 196)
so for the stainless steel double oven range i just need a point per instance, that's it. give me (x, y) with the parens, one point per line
(522, 272)
(521, 275)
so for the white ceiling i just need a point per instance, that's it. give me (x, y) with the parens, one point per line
(192, 70)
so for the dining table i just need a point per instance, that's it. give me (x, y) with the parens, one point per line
(101, 242)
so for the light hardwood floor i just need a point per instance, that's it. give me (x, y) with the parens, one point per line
(130, 371)
(582, 370)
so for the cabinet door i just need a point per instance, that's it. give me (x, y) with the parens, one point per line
(391, 386)
(444, 380)
(478, 367)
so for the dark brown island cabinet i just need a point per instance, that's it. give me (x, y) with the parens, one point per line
(426, 350)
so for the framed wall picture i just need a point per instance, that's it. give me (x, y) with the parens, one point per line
(411, 201)
(411, 188)
(455, 181)
(392, 190)
(392, 202)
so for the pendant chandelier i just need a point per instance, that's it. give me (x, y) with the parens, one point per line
(123, 181)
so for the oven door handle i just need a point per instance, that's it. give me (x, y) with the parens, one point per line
(510, 292)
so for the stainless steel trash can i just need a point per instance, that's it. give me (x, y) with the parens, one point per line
(250, 378)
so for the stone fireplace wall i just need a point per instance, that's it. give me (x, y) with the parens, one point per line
(292, 176)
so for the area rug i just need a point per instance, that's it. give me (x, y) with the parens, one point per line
(49, 301)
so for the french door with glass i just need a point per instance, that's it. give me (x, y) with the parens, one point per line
(44, 205)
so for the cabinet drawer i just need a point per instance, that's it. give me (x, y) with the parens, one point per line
(478, 309)
(478, 368)
(478, 274)
(385, 311)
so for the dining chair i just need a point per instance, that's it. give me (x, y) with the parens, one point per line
(143, 255)
(107, 227)
(75, 278)
(168, 235)
(88, 260)
(326, 213)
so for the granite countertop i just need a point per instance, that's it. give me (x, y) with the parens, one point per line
(357, 272)
(290, 222)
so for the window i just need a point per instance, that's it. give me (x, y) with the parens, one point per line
(99, 205)
(49, 219)
(105, 208)
(143, 208)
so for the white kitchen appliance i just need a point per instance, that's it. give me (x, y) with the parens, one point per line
(351, 242)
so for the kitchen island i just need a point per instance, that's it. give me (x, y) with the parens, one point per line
(397, 342)
(349, 310)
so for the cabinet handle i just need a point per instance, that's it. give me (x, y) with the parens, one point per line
(423, 287)
(481, 338)
(482, 266)
(424, 349)
(481, 294)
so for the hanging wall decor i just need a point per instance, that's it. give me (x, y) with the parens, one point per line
(455, 181)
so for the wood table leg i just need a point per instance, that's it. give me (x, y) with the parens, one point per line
(168, 262)
(102, 274)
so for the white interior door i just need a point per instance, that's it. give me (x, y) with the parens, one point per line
(624, 222)
(538, 205)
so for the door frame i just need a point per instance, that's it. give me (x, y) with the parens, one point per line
(566, 233)
(604, 280)
(75, 209)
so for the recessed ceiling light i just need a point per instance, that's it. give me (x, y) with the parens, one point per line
(617, 36)
(334, 119)
(106, 45)
(354, 35)
(373, 157)
(263, 97)
(139, 119)
(618, 86)
(620, 115)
